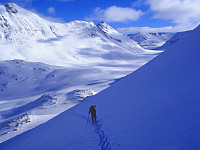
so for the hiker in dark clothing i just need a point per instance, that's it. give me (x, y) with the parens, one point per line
(93, 114)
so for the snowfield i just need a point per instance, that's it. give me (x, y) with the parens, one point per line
(47, 68)
(156, 107)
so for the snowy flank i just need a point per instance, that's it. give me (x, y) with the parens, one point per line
(156, 107)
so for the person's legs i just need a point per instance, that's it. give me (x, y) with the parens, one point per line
(95, 118)
(92, 119)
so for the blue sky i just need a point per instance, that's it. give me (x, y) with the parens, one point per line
(124, 15)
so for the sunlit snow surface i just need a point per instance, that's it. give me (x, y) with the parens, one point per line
(47, 67)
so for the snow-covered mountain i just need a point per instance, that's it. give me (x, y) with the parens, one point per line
(151, 40)
(48, 67)
(177, 36)
(77, 44)
(19, 25)
(24, 35)
(156, 107)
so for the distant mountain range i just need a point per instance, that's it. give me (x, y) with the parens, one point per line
(151, 40)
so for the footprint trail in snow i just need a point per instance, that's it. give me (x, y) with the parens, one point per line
(104, 141)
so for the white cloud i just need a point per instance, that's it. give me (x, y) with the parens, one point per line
(178, 11)
(177, 28)
(185, 14)
(144, 29)
(115, 14)
(51, 10)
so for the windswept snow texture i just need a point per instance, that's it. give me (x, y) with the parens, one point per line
(151, 40)
(48, 67)
(157, 107)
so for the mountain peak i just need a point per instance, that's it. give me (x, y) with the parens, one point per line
(106, 28)
(11, 7)
(102, 23)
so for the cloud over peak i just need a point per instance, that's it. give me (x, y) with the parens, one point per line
(115, 14)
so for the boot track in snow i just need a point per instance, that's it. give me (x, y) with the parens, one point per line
(104, 141)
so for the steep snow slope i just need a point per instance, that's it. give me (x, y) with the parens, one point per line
(151, 40)
(156, 107)
(173, 40)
